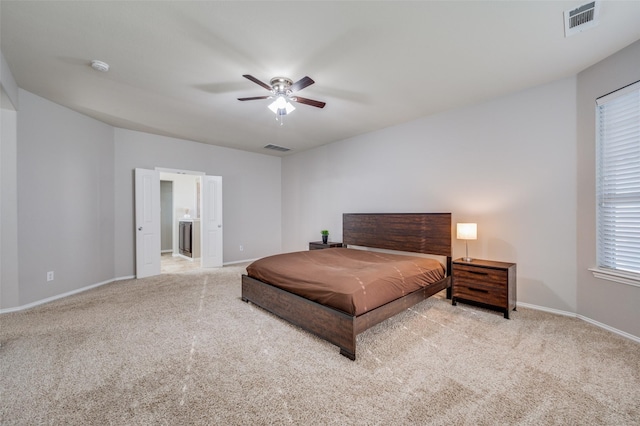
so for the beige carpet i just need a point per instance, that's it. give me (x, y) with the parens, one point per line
(184, 349)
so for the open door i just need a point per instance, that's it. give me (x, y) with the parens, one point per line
(211, 221)
(147, 194)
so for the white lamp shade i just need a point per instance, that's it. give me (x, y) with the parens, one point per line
(281, 106)
(289, 107)
(467, 231)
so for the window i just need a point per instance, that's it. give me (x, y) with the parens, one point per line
(618, 183)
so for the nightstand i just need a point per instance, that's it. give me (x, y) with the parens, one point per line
(319, 245)
(485, 282)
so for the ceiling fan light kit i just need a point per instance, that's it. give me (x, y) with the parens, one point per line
(281, 106)
(282, 89)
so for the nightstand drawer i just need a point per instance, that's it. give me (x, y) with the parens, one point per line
(490, 277)
(319, 245)
(480, 292)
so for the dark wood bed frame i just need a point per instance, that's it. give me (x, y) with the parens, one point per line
(428, 233)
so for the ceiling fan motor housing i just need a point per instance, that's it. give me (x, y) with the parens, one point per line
(281, 85)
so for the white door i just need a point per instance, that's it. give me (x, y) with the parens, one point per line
(147, 223)
(211, 221)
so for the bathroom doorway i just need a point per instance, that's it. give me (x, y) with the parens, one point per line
(180, 206)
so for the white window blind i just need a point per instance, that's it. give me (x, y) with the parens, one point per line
(618, 180)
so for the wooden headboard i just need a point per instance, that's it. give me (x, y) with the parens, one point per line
(428, 233)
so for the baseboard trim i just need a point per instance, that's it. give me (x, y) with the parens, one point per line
(60, 296)
(545, 309)
(583, 318)
(235, 262)
(609, 328)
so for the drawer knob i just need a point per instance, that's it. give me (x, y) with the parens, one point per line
(479, 272)
(479, 290)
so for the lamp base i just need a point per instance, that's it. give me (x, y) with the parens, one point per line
(466, 258)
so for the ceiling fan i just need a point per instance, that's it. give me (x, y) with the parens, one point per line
(282, 90)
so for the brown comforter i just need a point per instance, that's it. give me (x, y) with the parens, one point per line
(353, 281)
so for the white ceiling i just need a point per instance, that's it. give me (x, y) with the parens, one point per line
(177, 66)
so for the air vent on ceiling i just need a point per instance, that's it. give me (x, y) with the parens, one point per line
(581, 18)
(277, 148)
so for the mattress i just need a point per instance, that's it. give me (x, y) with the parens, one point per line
(350, 280)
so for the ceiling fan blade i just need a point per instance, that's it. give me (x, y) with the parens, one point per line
(301, 84)
(256, 81)
(254, 98)
(306, 101)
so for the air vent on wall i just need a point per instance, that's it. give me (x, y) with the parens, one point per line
(581, 18)
(277, 148)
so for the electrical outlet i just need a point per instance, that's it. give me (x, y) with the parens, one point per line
(241, 247)
(50, 276)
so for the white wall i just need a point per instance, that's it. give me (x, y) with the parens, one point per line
(184, 195)
(251, 192)
(508, 165)
(612, 303)
(9, 288)
(65, 199)
(9, 86)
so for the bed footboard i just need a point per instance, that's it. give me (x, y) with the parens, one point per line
(329, 324)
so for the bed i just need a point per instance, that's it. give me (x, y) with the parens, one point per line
(340, 322)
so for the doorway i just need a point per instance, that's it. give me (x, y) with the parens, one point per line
(201, 205)
(180, 222)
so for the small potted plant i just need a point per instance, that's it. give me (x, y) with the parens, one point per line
(325, 236)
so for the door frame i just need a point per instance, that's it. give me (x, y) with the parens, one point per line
(203, 238)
